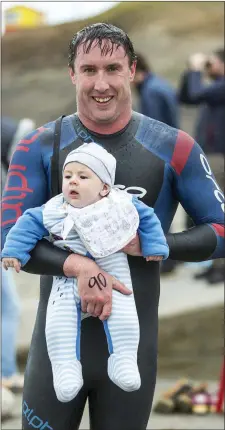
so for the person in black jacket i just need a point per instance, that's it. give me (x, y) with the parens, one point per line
(210, 126)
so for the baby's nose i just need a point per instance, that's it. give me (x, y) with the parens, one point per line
(73, 180)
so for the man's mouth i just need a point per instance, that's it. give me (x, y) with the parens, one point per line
(102, 100)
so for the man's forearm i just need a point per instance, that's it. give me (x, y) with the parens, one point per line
(196, 244)
(46, 259)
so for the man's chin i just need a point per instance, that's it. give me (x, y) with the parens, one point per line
(105, 117)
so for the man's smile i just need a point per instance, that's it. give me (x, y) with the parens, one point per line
(102, 100)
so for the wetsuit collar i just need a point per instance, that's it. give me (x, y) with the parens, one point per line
(77, 121)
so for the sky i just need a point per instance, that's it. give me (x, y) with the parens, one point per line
(62, 11)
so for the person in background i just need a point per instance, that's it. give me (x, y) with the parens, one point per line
(210, 125)
(158, 100)
(11, 133)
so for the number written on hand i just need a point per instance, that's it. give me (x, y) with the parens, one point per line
(98, 280)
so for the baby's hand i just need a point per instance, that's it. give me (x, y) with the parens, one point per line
(154, 258)
(11, 262)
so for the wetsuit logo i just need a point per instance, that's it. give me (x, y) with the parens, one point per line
(217, 192)
(33, 420)
(139, 192)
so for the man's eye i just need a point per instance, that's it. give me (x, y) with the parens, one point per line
(89, 70)
(112, 68)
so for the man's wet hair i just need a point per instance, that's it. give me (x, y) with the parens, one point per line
(107, 36)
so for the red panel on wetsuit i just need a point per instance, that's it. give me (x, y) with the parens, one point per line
(182, 150)
(219, 229)
(34, 137)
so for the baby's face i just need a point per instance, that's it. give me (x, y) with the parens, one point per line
(81, 186)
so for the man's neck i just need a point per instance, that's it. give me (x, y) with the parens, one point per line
(106, 128)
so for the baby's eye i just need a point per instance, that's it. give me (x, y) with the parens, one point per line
(67, 177)
(83, 177)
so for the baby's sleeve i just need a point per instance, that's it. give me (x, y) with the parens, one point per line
(152, 238)
(24, 235)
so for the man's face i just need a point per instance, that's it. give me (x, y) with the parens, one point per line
(102, 84)
(81, 186)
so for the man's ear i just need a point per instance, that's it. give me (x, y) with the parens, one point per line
(133, 70)
(72, 76)
(105, 190)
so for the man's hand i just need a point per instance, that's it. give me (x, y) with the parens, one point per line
(197, 62)
(133, 247)
(94, 285)
(154, 258)
(11, 262)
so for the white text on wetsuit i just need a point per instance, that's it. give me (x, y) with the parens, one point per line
(217, 192)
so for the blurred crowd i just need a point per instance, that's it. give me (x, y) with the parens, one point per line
(202, 83)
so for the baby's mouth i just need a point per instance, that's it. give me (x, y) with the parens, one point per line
(73, 193)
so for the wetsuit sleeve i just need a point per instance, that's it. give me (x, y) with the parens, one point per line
(27, 187)
(152, 238)
(24, 235)
(199, 194)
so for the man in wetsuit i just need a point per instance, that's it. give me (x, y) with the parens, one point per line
(163, 166)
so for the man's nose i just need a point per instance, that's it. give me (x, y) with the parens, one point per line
(101, 83)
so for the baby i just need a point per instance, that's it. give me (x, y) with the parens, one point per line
(93, 218)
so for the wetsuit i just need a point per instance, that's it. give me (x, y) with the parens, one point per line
(163, 166)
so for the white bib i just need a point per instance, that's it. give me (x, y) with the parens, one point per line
(106, 226)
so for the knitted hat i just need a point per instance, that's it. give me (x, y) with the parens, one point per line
(97, 159)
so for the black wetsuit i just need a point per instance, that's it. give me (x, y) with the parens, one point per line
(163, 166)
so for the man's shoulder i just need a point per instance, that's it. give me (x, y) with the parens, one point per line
(165, 141)
(40, 134)
(45, 133)
(157, 129)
